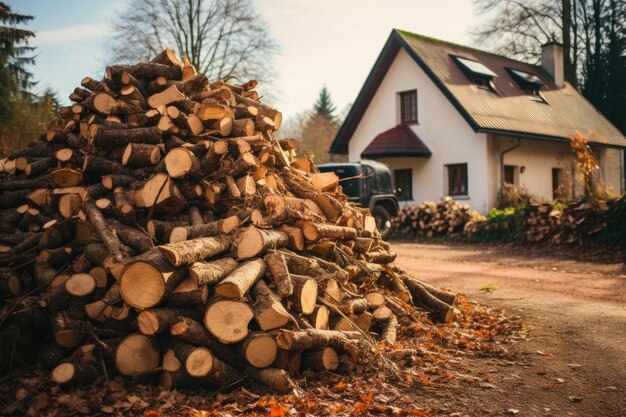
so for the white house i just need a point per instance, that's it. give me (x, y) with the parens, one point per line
(453, 120)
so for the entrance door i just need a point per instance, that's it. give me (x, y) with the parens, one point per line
(557, 181)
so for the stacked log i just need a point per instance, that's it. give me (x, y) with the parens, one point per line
(541, 223)
(429, 219)
(564, 224)
(160, 227)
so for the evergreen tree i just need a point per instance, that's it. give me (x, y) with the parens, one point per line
(324, 105)
(15, 55)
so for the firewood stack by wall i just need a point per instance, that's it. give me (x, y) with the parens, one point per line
(429, 219)
(160, 226)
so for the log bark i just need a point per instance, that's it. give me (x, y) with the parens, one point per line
(442, 310)
(198, 296)
(253, 242)
(317, 231)
(107, 237)
(239, 281)
(141, 154)
(210, 273)
(390, 330)
(277, 379)
(113, 137)
(74, 373)
(191, 331)
(313, 339)
(324, 359)
(188, 252)
(277, 266)
(269, 313)
(304, 293)
(158, 320)
(222, 226)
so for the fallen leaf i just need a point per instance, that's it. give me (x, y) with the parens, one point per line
(277, 411)
(418, 413)
(359, 408)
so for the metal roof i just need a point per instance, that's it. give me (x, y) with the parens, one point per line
(507, 111)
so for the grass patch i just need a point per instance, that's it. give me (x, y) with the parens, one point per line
(488, 288)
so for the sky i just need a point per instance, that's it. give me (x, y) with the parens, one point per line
(322, 42)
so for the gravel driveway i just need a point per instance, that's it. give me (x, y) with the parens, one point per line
(574, 360)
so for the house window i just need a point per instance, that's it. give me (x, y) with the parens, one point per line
(403, 179)
(408, 107)
(457, 179)
(509, 174)
(557, 182)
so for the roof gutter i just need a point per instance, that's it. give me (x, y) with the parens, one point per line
(504, 152)
(555, 139)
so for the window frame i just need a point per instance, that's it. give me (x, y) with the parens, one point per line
(513, 171)
(413, 103)
(459, 167)
(408, 191)
(557, 181)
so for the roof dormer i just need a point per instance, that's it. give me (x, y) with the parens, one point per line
(477, 72)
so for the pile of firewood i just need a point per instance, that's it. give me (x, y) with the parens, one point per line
(445, 217)
(570, 223)
(556, 224)
(160, 227)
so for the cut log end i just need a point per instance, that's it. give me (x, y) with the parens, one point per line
(137, 355)
(228, 320)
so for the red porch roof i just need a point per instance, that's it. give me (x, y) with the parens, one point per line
(396, 142)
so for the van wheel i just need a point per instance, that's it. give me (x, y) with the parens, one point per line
(383, 221)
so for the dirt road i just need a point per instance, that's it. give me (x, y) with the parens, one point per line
(573, 362)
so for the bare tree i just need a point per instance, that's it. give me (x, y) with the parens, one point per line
(516, 28)
(221, 38)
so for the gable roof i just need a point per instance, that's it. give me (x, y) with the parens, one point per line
(397, 141)
(511, 112)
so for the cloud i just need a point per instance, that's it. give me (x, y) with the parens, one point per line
(72, 34)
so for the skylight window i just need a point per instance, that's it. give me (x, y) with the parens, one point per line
(530, 83)
(474, 69)
(526, 79)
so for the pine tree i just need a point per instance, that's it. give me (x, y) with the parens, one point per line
(324, 105)
(15, 55)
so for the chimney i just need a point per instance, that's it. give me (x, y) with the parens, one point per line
(552, 62)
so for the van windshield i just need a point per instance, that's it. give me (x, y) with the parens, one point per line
(351, 186)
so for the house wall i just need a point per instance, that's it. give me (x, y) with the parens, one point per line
(538, 158)
(611, 163)
(440, 126)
